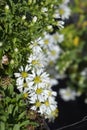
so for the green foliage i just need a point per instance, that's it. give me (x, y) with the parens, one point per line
(21, 22)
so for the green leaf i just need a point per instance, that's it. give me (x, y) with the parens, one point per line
(3, 118)
(2, 126)
(16, 127)
(10, 108)
(24, 123)
(22, 115)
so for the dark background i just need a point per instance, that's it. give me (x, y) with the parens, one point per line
(69, 112)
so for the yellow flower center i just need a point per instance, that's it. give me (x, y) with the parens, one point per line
(56, 37)
(68, 93)
(25, 85)
(61, 11)
(53, 52)
(51, 63)
(46, 41)
(47, 103)
(34, 62)
(85, 24)
(76, 41)
(49, 93)
(55, 113)
(38, 104)
(37, 79)
(39, 91)
(25, 95)
(24, 74)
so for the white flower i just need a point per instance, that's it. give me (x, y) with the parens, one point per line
(35, 46)
(23, 85)
(64, 11)
(48, 106)
(39, 77)
(46, 40)
(85, 101)
(37, 60)
(45, 108)
(78, 93)
(56, 14)
(84, 72)
(53, 81)
(67, 94)
(53, 53)
(58, 38)
(23, 73)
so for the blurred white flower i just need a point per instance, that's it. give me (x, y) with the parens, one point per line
(84, 72)
(64, 11)
(34, 19)
(85, 101)
(23, 17)
(58, 38)
(67, 94)
(7, 7)
(1, 43)
(37, 60)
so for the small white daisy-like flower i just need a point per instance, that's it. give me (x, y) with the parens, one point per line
(23, 85)
(58, 38)
(35, 46)
(64, 11)
(37, 60)
(46, 40)
(56, 14)
(38, 93)
(67, 94)
(52, 115)
(44, 107)
(39, 77)
(53, 53)
(23, 73)
(48, 106)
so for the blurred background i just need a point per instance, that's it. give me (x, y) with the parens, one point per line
(72, 65)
